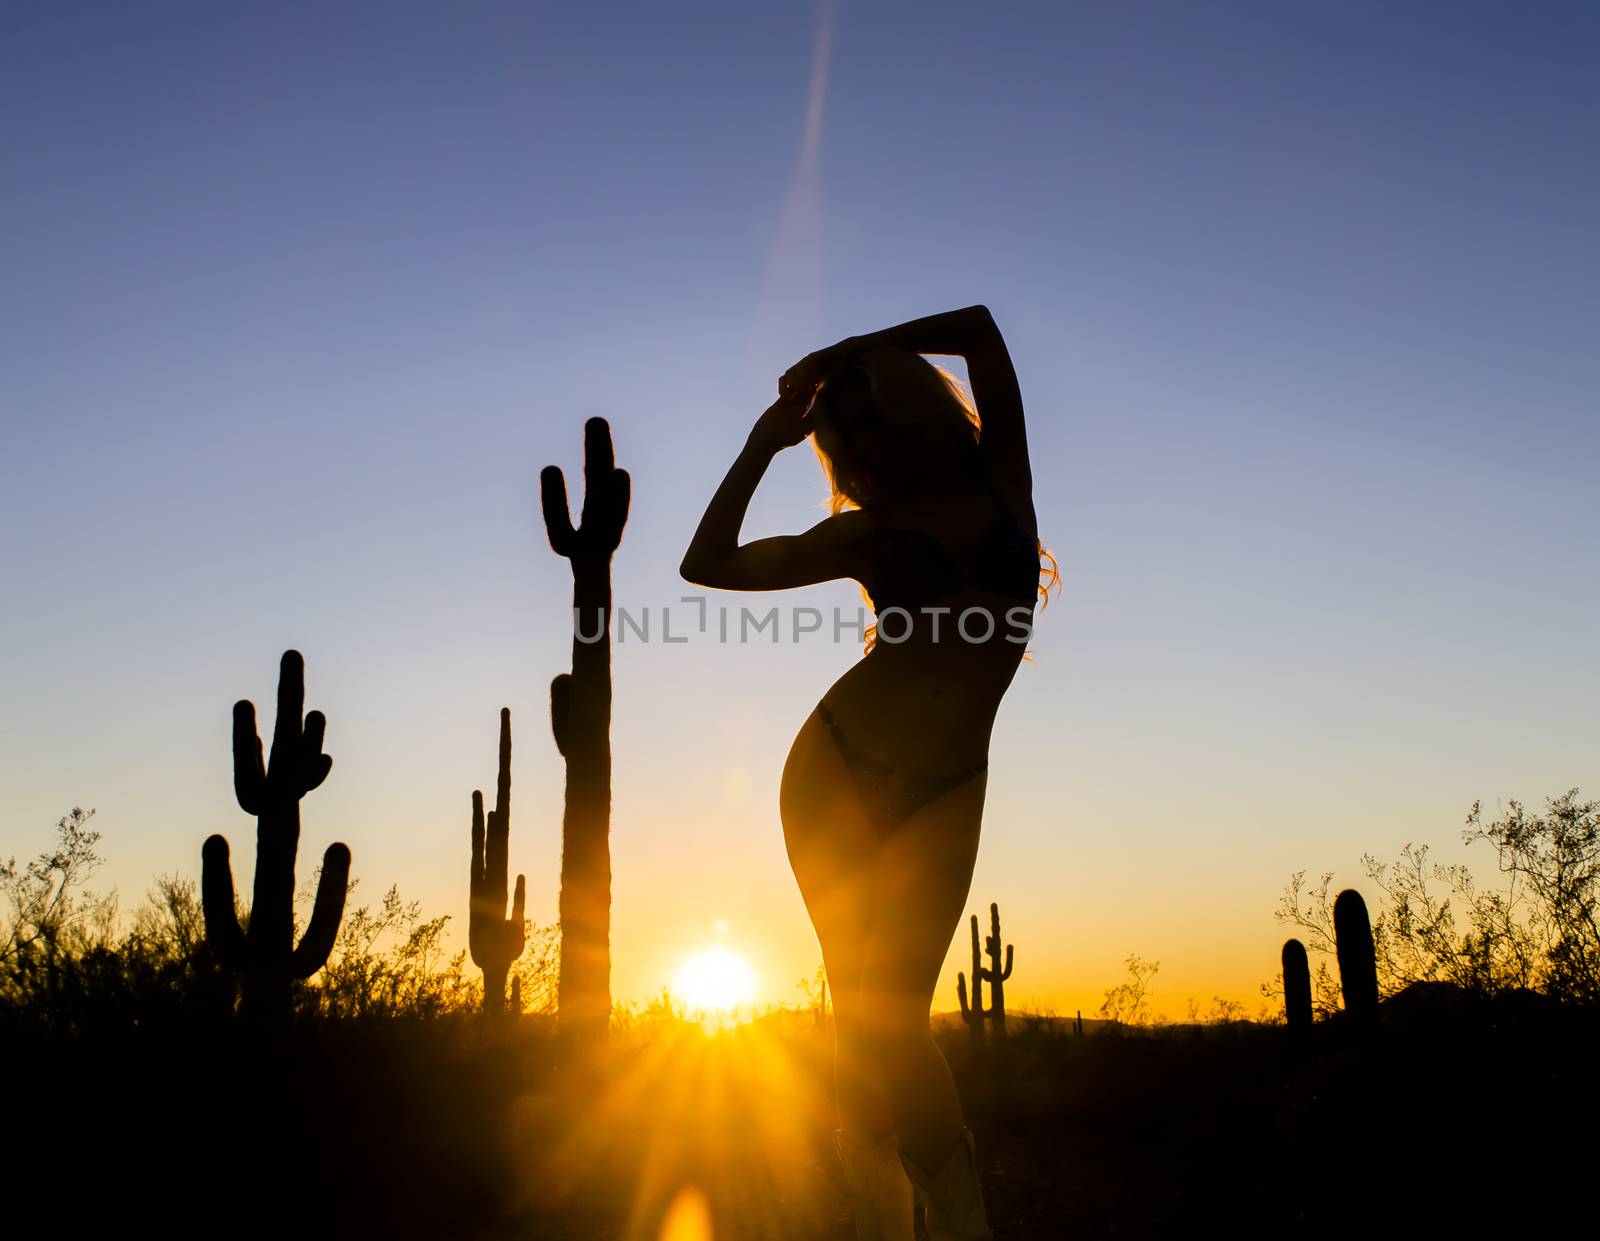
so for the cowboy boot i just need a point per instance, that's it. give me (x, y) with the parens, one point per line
(952, 1196)
(880, 1195)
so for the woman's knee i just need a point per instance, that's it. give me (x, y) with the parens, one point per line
(895, 1044)
(897, 989)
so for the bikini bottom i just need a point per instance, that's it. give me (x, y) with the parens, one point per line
(887, 794)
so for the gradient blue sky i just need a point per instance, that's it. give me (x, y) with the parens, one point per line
(296, 300)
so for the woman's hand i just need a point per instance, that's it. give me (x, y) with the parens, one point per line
(804, 376)
(784, 423)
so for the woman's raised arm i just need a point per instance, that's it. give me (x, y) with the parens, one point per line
(716, 558)
(969, 333)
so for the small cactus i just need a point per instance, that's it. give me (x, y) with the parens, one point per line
(495, 940)
(265, 955)
(580, 719)
(1358, 965)
(1296, 988)
(974, 1013)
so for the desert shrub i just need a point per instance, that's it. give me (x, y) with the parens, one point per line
(1434, 924)
(539, 968)
(662, 1016)
(1222, 1012)
(65, 966)
(1554, 859)
(391, 961)
(57, 939)
(49, 918)
(1128, 1003)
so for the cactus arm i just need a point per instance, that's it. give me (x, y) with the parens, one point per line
(514, 930)
(961, 993)
(311, 954)
(217, 903)
(557, 518)
(249, 769)
(560, 699)
(1007, 974)
(475, 890)
(477, 845)
(621, 500)
(314, 764)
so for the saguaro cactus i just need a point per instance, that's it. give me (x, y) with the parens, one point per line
(1296, 988)
(975, 1013)
(495, 940)
(1358, 963)
(580, 718)
(265, 954)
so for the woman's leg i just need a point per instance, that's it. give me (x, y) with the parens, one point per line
(832, 847)
(919, 888)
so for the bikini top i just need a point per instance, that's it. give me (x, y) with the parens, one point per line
(912, 568)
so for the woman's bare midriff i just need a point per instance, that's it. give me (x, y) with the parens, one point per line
(928, 706)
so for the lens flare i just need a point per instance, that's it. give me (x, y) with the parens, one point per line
(688, 1218)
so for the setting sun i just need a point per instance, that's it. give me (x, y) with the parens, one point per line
(715, 980)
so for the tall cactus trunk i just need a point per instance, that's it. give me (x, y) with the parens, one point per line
(580, 717)
(1358, 964)
(494, 989)
(1296, 989)
(265, 955)
(495, 940)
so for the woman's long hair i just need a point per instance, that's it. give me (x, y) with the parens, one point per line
(920, 423)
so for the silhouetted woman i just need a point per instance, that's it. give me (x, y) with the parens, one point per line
(882, 795)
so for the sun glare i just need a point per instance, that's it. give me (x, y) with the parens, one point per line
(715, 980)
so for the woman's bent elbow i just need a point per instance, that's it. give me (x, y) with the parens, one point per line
(695, 571)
